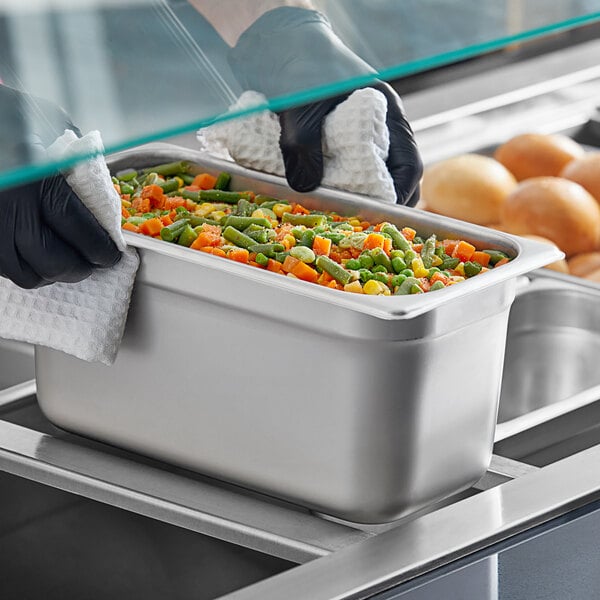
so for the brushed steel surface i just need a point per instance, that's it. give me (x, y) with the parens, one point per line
(16, 363)
(348, 404)
(551, 353)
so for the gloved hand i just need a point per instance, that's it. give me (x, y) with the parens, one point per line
(46, 233)
(288, 49)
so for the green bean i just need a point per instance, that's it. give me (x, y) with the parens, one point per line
(127, 174)
(244, 208)
(137, 221)
(114, 180)
(336, 238)
(307, 239)
(450, 263)
(398, 240)
(186, 177)
(167, 169)
(495, 255)
(126, 188)
(334, 269)
(170, 185)
(398, 264)
(243, 222)
(173, 231)
(406, 287)
(223, 181)
(222, 196)
(237, 237)
(261, 259)
(196, 221)
(261, 236)
(472, 268)
(343, 226)
(268, 201)
(381, 258)
(269, 250)
(428, 251)
(281, 256)
(308, 220)
(150, 179)
(187, 237)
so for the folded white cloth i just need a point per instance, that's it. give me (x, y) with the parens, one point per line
(356, 143)
(85, 319)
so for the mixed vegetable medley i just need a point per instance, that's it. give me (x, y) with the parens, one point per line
(340, 252)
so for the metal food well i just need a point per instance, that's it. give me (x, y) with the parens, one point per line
(360, 407)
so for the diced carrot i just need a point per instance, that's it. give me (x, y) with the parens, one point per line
(255, 264)
(337, 218)
(304, 272)
(283, 230)
(205, 181)
(141, 205)
(274, 266)
(481, 257)
(117, 187)
(374, 240)
(345, 254)
(125, 213)
(417, 247)
(289, 263)
(239, 255)
(131, 227)
(333, 284)
(355, 252)
(501, 262)
(439, 277)
(207, 249)
(325, 278)
(378, 227)
(449, 246)
(357, 229)
(214, 229)
(219, 252)
(409, 233)
(190, 205)
(252, 257)
(387, 245)
(321, 246)
(166, 220)
(207, 238)
(155, 194)
(192, 188)
(424, 284)
(464, 251)
(365, 224)
(173, 215)
(151, 226)
(298, 209)
(174, 202)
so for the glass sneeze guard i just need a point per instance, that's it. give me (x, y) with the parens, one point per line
(142, 70)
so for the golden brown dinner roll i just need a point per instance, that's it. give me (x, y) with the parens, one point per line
(468, 187)
(583, 264)
(557, 209)
(586, 172)
(594, 276)
(559, 265)
(536, 155)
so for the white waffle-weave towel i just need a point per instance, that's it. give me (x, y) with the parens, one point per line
(85, 319)
(356, 143)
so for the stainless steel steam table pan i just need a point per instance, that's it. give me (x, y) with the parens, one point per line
(361, 407)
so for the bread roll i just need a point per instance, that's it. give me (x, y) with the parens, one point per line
(586, 172)
(557, 209)
(468, 187)
(594, 276)
(583, 264)
(536, 155)
(560, 265)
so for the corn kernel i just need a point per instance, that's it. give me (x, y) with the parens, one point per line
(205, 209)
(180, 181)
(418, 269)
(354, 287)
(125, 204)
(217, 215)
(354, 222)
(258, 214)
(279, 209)
(290, 239)
(436, 261)
(460, 268)
(375, 288)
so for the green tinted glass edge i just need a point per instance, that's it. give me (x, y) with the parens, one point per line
(37, 171)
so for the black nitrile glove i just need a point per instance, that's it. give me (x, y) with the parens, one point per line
(46, 233)
(289, 49)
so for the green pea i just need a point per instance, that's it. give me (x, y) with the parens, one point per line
(365, 275)
(366, 261)
(438, 285)
(261, 259)
(407, 273)
(379, 269)
(398, 264)
(472, 269)
(398, 280)
(353, 264)
(383, 277)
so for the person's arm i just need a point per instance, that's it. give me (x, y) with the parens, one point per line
(46, 233)
(282, 47)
